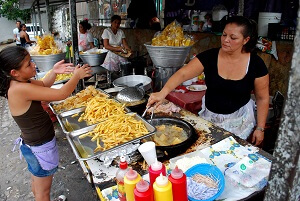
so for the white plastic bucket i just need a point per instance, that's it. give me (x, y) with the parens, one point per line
(264, 18)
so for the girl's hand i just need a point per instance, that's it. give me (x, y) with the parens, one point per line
(63, 68)
(258, 137)
(83, 71)
(157, 98)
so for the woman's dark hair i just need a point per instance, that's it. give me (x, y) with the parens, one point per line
(10, 58)
(21, 26)
(115, 17)
(85, 25)
(250, 29)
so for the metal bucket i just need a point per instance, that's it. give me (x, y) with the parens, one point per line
(46, 62)
(166, 56)
(93, 59)
(162, 75)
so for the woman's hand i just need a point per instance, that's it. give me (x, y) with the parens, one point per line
(63, 68)
(157, 98)
(258, 137)
(83, 71)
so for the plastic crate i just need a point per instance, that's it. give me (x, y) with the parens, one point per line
(277, 31)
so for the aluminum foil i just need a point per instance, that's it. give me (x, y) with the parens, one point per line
(126, 151)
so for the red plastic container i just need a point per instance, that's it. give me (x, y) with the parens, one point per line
(179, 185)
(154, 171)
(143, 192)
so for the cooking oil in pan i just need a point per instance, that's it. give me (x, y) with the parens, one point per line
(84, 151)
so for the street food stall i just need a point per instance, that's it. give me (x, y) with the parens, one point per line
(101, 167)
(101, 129)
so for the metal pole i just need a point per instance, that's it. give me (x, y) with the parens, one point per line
(73, 18)
(34, 21)
(40, 19)
(49, 16)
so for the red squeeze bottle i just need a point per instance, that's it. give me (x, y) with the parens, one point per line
(143, 192)
(154, 171)
(179, 185)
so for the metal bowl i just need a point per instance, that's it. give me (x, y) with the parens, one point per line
(132, 80)
(94, 59)
(167, 56)
(46, 62)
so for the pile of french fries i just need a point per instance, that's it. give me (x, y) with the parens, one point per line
(116, 130)
(99, 108)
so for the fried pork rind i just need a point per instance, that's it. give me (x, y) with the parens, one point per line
(79, 100)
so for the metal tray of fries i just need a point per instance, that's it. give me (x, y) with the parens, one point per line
(53, 103)
(69, 120)
(83, 148)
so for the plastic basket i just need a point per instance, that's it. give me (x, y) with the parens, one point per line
(277, 31)
(168, 56)
(208, 169)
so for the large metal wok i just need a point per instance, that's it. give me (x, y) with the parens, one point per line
(133, 80)
(174, 150)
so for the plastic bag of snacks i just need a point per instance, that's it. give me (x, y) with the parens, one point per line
(267, 46)
(45, 46)
(172, 35)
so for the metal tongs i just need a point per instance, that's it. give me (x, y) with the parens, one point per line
(144, 113)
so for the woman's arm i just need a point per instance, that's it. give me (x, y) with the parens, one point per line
(261, 91)
(111, 48)
(192, 69)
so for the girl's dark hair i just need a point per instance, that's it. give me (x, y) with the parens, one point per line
(10, 58)
(250, 29)
(115, 17)
(85, 25)
(21, 26)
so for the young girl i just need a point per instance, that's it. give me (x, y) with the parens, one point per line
(24, 96)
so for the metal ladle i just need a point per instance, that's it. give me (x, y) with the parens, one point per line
(131, 94)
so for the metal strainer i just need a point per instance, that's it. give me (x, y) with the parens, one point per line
(131, 94)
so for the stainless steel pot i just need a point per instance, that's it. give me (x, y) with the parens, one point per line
(46, 62)
(132, 80)
(94, 59)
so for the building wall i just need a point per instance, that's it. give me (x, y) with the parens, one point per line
(6, 31)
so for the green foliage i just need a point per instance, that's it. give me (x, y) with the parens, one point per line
(10, 10)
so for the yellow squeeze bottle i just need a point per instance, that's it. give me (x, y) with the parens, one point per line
(162, 189)
(130, 180)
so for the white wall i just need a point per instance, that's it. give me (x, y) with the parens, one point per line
(6, 31)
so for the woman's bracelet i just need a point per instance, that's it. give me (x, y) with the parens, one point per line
(260, 129)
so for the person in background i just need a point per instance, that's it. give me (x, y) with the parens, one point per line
(24, 37)
(85, 38)
(24, 96)
(114, 40)
(232, 72)
(144, 13)
(17, 33)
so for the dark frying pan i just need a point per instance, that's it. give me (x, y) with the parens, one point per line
(174, 150)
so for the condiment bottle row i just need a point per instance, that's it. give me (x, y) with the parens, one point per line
(131, 187)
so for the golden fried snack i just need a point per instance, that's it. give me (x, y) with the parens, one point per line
(116, 130)
(79, 100)
(172, 35)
